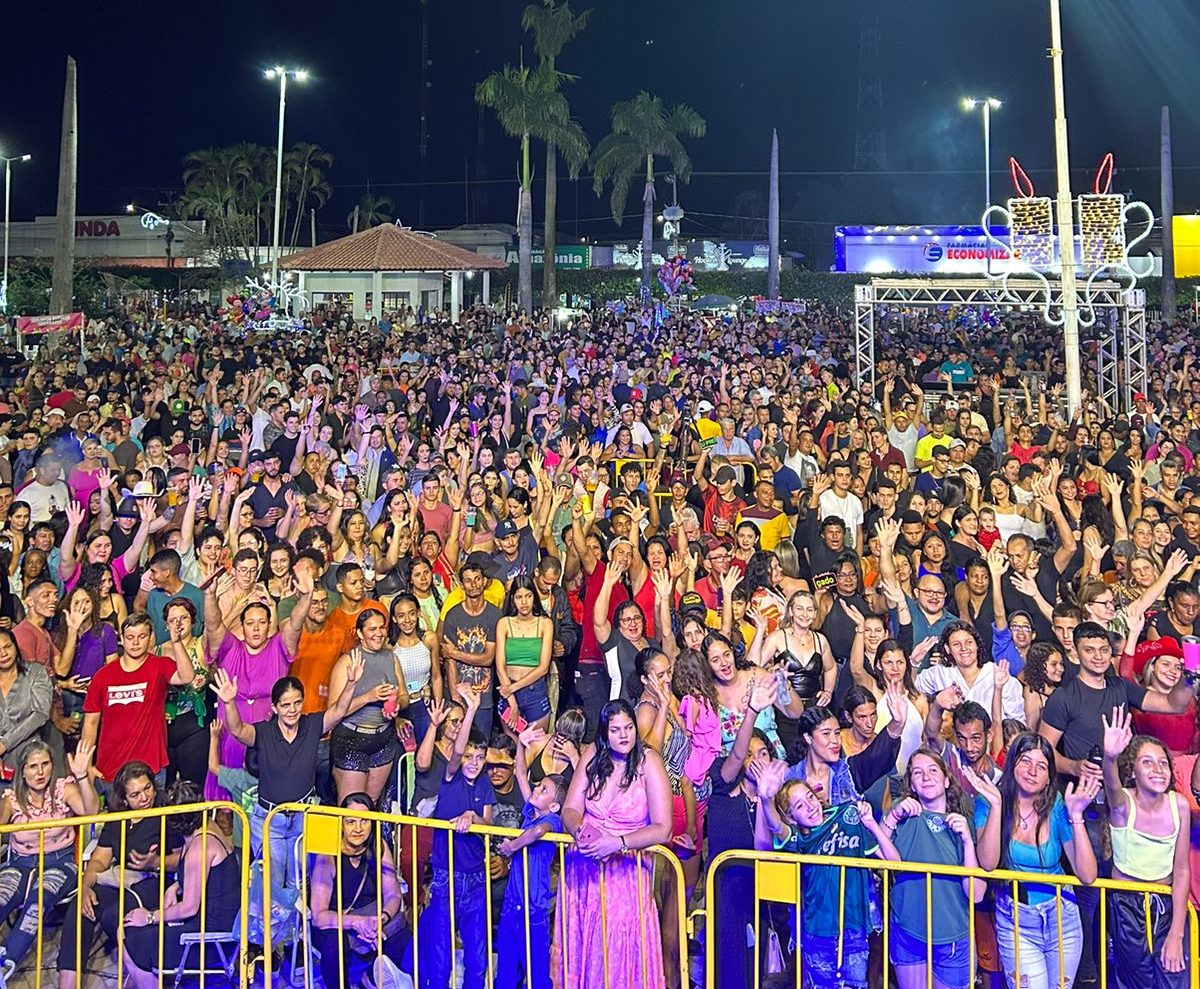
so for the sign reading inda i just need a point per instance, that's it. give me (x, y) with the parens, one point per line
(97, 228)
(50, 324)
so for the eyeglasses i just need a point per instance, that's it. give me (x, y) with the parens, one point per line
(1020, 628)
(931, 591)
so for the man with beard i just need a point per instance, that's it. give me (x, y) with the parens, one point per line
(268, 498)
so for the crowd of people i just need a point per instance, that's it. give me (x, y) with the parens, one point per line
(635, 582)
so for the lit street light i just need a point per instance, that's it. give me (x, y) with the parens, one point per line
(989, 103)
(282, 73)
(7, 161)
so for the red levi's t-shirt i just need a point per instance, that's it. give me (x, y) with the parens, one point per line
(132, 709)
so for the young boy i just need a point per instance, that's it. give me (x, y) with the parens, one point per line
(466, 798)
(540, 817)
(834, 944)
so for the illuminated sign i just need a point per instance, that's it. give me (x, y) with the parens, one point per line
(916, 250)
(97, 228)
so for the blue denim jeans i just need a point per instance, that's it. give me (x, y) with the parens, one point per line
(435, 939)
(21, 887)
(286, 827)
(1045, 951)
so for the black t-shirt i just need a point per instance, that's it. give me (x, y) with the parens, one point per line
(140, 836)
(730, 816)
(1076, 710)
(287, 771)
(1047, 581)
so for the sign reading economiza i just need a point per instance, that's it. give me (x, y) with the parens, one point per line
(918, 250)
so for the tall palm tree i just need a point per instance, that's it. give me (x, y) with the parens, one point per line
(303, 167)
(528, 104)
(643, 129)
(371, 211)
(552, 26)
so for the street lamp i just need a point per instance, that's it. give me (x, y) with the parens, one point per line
(282, 73)
(7, 160)
(989, 103)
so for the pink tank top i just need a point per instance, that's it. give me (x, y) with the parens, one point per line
(55, 808)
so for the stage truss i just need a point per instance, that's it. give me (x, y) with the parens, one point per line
(1120, 325)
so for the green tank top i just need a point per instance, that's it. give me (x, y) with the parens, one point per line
(522, 650)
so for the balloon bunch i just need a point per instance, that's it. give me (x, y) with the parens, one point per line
(675, 274)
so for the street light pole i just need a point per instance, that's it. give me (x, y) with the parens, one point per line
(989, 103)
(8, 164)
(299, 75)
(1066, 224)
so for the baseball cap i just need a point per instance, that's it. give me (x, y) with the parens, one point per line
(956, 444)
(725, 475)
(179, 450)
(50, 410)
(626, 408)
(704, 406)
(498, 757)
(505, 529)
(93, 398)
(691, 601)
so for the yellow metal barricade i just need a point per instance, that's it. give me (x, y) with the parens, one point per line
(776, 877)
(322, 836)
(204, 942)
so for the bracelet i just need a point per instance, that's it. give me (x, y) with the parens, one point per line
(80, 779)
(386, 918)
(1077, 820)
(757, 710)
(624, 846)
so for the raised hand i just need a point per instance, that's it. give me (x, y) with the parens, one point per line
(79, 762)
(532, 736)
(662, 585)
(354, 669)
(1078, 796)
(1001, 674)
(897, 704)
(225, 686)
(997, 561)
(195, 489)
(763, 692)
(949, 697)
(75, 514)
(438, 712)
(1118, 732)
(922, 649)
(469, 696)
(888, 531)
(770, 778)
(982, 787)
(853, 614)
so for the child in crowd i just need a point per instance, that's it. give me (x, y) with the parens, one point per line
(523, 945)
(834, 945)
(466, 797)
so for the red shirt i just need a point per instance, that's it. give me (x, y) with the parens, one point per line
(715, 507)
(132, 707)
(589, 648)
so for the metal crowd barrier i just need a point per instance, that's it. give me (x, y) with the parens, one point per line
(777, 878)
(206, 941)
(322, 835)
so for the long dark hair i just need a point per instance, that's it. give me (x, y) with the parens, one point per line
(523, 583)
(362, 800)
(132, 770)
(806, 724)
(758, 571)
(692, 676)
(394, 625)
(601, 765)
(1043, 803)
(892, 645)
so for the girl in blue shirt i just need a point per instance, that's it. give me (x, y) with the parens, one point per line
(1025, 825)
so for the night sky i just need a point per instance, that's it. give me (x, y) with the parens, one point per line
(159, 80)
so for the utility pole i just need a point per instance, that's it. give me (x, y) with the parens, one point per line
(62, 284)
(1066, 221)
(1168, 219)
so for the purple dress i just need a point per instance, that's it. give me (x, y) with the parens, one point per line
(256, 675)
(628, 919)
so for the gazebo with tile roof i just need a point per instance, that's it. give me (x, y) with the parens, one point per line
(386, 267)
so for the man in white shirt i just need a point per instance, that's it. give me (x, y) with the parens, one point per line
(839, 500)
(641, 434)
(46, 494)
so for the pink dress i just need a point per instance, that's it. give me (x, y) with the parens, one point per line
(627, 919)
(256, 675)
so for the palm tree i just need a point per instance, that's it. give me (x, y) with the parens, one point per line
(528, 105)
(643, 129)
(303, 168)
(371, 211)
(552, 26)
